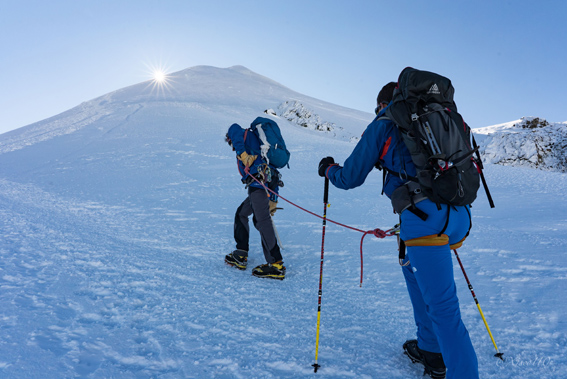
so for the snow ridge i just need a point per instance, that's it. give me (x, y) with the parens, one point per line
(296, 112)
(299, 114)
(529, 142)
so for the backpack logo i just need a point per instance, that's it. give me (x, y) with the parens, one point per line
(434, 90)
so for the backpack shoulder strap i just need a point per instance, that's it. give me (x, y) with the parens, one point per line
(386, 170)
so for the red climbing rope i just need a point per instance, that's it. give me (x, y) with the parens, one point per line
(378, 233)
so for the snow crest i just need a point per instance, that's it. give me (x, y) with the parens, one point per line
(529, 142)
(299, 114)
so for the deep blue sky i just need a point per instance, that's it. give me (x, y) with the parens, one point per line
(506, 59)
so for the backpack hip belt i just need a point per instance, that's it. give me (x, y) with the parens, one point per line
(406, 197)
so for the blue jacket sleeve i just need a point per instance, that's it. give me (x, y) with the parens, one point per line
(236, 135)
(361, 161)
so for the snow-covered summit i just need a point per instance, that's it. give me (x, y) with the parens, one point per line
(233, 94)
(529, 141)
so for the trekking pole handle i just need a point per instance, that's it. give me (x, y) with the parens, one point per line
(326, 192)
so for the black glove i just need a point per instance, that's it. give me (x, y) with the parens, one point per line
(324, 165)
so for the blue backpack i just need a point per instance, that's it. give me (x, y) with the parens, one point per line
(272, 144)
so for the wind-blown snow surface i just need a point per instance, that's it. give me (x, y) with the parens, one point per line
(116, 215)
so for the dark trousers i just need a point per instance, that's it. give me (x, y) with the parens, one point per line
(258, 205)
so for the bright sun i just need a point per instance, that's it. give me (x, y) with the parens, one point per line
(159, 76)
(161, 82)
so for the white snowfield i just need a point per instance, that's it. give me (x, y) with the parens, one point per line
(115, 217)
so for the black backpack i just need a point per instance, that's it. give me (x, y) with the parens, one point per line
(447, 161)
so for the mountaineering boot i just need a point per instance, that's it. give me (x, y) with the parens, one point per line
(432, 362)
(270, 270)
(238, 259)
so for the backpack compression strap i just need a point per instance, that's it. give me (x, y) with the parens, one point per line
(480, 168)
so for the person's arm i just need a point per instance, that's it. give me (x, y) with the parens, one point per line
(360, 162)
(236, 135)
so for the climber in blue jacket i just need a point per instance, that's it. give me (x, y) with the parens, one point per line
(260, 203)
(443, 344)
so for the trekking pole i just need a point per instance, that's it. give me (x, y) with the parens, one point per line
(498, 353)
(325, 201)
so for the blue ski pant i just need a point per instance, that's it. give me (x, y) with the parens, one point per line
(431, 286)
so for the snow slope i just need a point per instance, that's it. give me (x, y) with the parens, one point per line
(115, 217)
